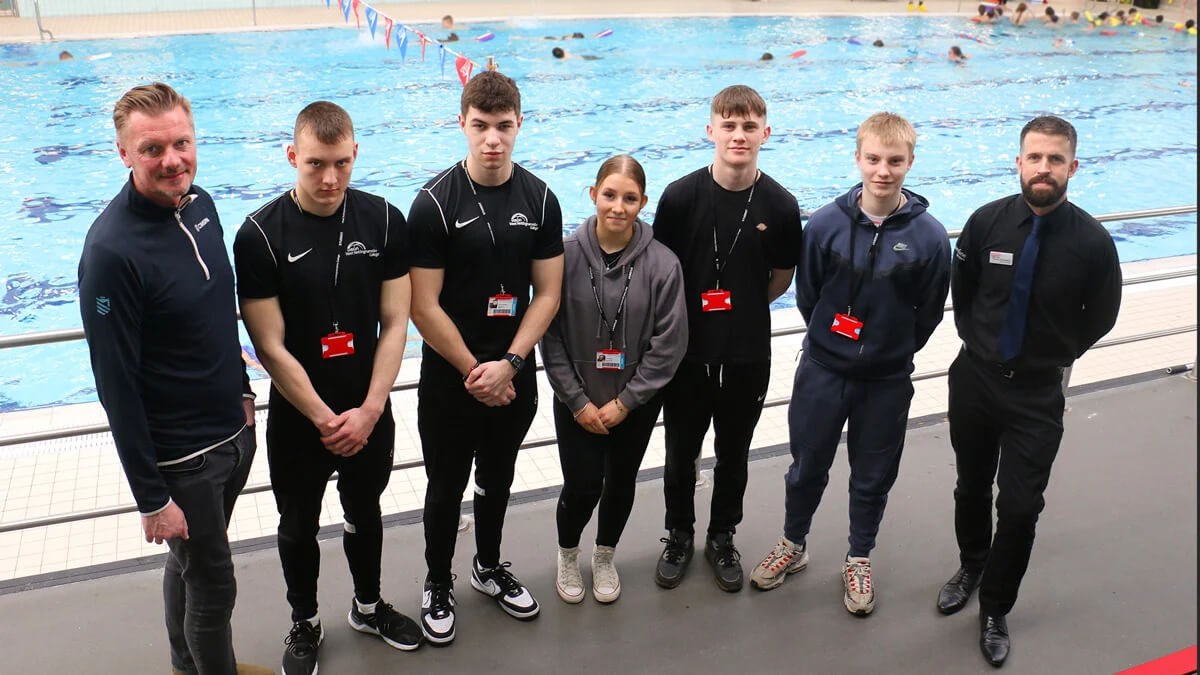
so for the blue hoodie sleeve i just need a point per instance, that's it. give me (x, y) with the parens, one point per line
(935, 286)
(810, 273)
(110, 304)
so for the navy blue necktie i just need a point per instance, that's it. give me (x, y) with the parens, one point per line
(1012, 331)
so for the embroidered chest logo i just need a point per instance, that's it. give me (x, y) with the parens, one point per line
(200, 225)
(357, 248)
(900, 246)
(519, 220)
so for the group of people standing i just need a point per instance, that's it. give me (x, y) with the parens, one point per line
(632, 320)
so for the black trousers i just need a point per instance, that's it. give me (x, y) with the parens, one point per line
(599, 469)
(300, 469)
(455, 431)
(731, 398)
(1006, 430)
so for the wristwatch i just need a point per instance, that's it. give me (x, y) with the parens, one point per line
(517, 362)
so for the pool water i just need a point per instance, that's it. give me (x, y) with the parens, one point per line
(1131, 96)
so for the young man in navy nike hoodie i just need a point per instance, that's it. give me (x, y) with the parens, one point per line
(875, 272)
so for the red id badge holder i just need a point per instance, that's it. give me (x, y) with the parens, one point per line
(338, 343)
(716, 300)
(502, 305)
(610, 359)
(847, 326)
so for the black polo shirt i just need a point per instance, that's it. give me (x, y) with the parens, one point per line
(689, 210)
(282, 251)
(1076, 289)
(484, 252)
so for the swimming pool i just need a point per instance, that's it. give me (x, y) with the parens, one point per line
(1131, 96)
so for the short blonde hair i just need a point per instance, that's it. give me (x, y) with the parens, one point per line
(889, 128)
(148, 99)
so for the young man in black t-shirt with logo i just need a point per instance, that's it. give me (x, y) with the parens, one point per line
(737, 234)
(482, 232)
(324, 288)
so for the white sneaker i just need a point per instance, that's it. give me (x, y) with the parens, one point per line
(860, 594)
(569, 580)
(606, 585)
(500, 584)
(786, 558)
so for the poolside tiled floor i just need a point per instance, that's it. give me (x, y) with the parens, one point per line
(64, 476)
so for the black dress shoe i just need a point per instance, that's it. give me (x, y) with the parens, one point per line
(993, 638)
(957, 591)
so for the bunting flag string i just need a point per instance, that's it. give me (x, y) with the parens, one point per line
(463, 66)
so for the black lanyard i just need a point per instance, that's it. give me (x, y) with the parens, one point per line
(856, 282)
(496, 244)
(611, 328)
(718, 261)
(337, 261)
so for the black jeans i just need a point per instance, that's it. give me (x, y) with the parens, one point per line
(455, 430)
(600, 469)
(731, 398)
(822, 401)
(1007, 430)
(300, 471)
(198, 584)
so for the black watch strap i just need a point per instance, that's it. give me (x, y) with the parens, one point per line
(516, 361)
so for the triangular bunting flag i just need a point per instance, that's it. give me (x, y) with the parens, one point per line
(424, 41)
(327, 2)
(401, 41)
(372, 19)
(464, 66)
(354, 4)
(345, 7)
(442, 57)
(387, 35)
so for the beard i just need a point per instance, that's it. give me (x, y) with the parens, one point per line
(1043, 199)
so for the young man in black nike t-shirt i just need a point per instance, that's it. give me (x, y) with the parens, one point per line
(324, 288)
(482, 232)
(737, 234)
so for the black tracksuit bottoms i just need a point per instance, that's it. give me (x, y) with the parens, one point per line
(455, 431)
(730, 396)
(1007, 430)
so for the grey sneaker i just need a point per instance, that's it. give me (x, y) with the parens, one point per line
(569, 580)
(786, 558)
(606, 585)
(860, 594)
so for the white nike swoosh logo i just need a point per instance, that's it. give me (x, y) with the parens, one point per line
(463, 223)
(294, 258)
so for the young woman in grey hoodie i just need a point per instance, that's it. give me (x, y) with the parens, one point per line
(619, 335)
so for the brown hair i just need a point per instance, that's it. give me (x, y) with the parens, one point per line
(740, 100)
(329, 122)
(889, 128)
(491, 92)
(148, 99)
(624, 165)
(1051, 125)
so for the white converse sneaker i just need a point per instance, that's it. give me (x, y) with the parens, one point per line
(569, 580)
(606, 585)
(860, 594)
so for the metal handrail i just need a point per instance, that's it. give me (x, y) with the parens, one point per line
(72, 334)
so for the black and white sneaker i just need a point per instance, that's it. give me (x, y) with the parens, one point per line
(437, 612)
(300, 648)
(499, 584)
(394, 628)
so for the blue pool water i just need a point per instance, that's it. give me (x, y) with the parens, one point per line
(1131, 96)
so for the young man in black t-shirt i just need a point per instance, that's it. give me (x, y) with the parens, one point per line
(323, 282)
(737, 234)
(482, 232)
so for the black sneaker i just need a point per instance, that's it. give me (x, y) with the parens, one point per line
(437, 612)
(725, 560)
(396, 629)
(673, 562)
(499, 584)
(300, 648)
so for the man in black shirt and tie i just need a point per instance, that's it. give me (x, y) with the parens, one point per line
(1035, 283)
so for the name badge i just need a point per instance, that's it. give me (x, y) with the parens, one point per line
(847, 326)
(337, 343)
(716, 301)
(502, 305)
(1000, 258)
(610, 359)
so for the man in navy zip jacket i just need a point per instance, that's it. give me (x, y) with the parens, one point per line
(875, 272)
(157, 302)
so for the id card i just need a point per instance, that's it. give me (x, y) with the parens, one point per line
(716, 301)
(610, 359)
(846, 326)
(502, 305)
(337, 343)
